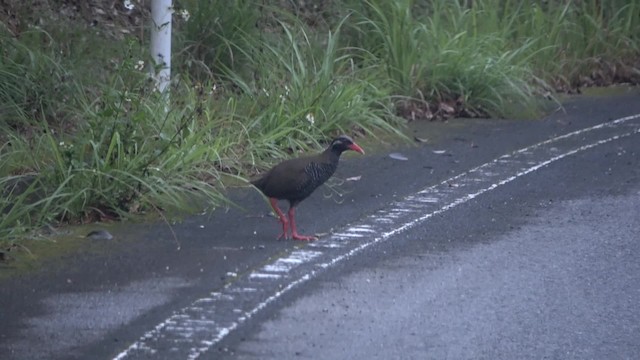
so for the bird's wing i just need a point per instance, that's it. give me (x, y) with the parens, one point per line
(285, 179)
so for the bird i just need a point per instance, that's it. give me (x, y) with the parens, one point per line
(295, 179)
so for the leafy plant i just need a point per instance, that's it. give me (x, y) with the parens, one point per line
(31, 79)
(302, 92)
(209, 35)
(130, 156)
(389, 31)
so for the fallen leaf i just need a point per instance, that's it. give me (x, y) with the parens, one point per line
(398, 156)
(99, 235)
(422, 140)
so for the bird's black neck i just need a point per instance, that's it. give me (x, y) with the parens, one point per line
(332, 154)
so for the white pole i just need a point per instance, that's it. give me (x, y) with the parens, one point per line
(161, 11)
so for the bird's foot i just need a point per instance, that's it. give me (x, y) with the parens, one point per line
(285, 229)
(297, 236)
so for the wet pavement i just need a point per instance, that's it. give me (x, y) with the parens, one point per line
(537, 269)
(96, 302)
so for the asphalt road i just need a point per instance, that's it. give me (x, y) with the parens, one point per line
(469, 249)
(545, 267)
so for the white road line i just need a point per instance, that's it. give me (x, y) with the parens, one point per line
(359, 229)
(184, 335)
(257, 275)
(348, 235)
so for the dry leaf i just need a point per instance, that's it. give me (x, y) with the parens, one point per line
(398, 156)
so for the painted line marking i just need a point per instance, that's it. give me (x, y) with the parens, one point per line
(364, 229)
(244, 290)
(186, 338)
(329, 245)
(255, 275)
(297, 257)
(401, 210)
(348, 235)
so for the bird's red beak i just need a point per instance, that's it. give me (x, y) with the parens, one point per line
(356, 148)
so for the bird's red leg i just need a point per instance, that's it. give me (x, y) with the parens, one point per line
(283, 219)
(294, 231)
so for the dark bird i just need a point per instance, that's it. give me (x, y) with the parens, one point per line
(295, 179)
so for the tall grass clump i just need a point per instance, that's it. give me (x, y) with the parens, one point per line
(577, 42)
(128, 156)
(32, 79)
(489, 57)
(304, 88)
(213, 35)
(472, 63)
(389, 32)
(433, 53)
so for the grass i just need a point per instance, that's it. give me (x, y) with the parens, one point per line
(435, 55)
(304, 91)
(30, 80)
(207, 41)
(494, 53)
(569, 40)
(129, 156)
(85, 136)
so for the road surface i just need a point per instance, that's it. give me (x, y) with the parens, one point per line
(544, 267)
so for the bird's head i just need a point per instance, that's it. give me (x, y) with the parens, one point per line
(343, 143)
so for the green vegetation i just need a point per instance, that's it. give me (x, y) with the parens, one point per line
(85, 136)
